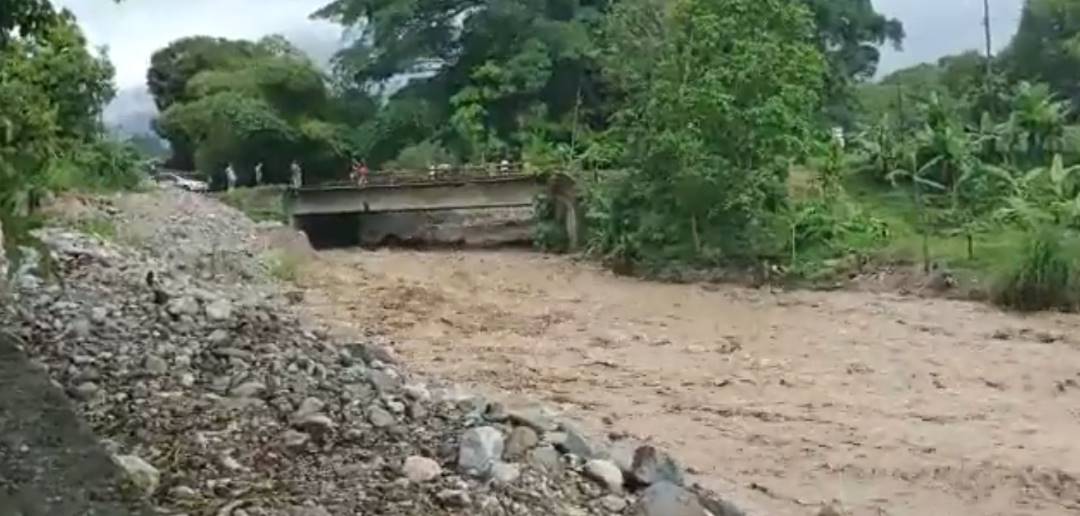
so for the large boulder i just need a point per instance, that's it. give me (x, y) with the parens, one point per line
(480, 449)
(667, 499)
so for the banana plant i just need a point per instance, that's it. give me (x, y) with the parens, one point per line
(919, 180)
(1042, 195)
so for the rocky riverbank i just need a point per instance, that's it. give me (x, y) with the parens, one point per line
(185, 355)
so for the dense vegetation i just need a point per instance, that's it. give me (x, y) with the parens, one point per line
(702, 132)
(53, 90)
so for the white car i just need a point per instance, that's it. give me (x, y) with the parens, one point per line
(190, 185)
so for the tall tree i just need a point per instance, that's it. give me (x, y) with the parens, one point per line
(1047, 46)
(490, 70)
(245, 103)
(721, 94)
(850, 33)
(24, 18)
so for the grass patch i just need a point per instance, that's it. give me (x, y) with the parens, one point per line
(1043, 275)
(283, 265)
(261, 204)
(100, 227)
(994, 249)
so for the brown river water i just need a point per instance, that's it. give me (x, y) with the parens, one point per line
(782, 401)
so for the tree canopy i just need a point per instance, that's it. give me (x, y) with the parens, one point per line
(54, 91)
(485, 74)
(1047, 46)
(247, 103)
(850, 33)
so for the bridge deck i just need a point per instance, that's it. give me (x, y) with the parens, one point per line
(419, 194)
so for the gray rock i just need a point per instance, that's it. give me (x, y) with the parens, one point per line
(316, 510)
(621, 452)
(183, 493)
(219, 310)
(380, 417)
(651, 466)
(504, 473)
(294, 440)
(535, 417)
(521, 440)
(577, 444)
(613, 503)
(421, 469)
(354, 374)
(99, 314)
(184, 305)
(141, 474)
(231, 352)
(480, 448)
(218, 337)
(416, 411)
(453, 498)
(666, 499)
(318, 425)
(417, 393)
(310, 405)
(606, 473)
(86, 391)
(156, 365)
(229, 463)
(383, 382)
(720, 507)
(395, 407)
(372, 352)
(545, 458)
(249, 390)
(81, 328)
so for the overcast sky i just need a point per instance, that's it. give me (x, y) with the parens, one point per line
(936, 28)
(134, 29)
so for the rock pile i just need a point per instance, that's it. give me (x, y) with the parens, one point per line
(216, 399)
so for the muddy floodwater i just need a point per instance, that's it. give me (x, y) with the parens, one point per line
(884, 404)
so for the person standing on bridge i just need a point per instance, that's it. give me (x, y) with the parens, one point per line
(230, 177)
(297, 175)
(360, 173)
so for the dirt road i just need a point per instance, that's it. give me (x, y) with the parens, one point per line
(888, 405)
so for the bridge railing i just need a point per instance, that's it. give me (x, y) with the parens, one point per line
(434, 175)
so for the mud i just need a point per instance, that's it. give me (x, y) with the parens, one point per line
(783, 401)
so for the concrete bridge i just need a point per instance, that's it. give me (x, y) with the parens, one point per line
(487, 210)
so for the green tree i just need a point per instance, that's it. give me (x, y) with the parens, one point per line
(247, 103)
(54, 90)
(850, 33)
(720, 95)
(1036, 125)
(1047, 46)
(490, 72)
(25, 18)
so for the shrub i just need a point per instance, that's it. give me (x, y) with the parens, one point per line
(1044, 277)
(102, 165)
(283, 265)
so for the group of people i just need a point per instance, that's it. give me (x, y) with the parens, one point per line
(297, 175)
